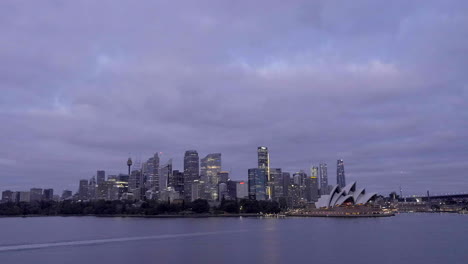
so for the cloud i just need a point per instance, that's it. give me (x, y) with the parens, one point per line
(379, 84)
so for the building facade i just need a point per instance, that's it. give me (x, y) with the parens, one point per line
(191, 172)
(340, 174)
(210, 167)
(323, 174)
(257, 184)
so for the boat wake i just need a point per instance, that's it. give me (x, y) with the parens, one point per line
(111, 240)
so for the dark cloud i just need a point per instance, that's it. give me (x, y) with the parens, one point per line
(381, 84)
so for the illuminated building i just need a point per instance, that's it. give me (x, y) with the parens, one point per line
(210, 167)
(276, 183)
(264, 163)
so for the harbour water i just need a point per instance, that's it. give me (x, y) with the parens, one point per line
(405, 238)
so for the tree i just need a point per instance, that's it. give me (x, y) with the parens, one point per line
(200, 206)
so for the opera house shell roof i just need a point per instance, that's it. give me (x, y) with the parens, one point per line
(348, 195)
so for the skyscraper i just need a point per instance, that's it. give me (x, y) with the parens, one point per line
(263, 158)
(177, 181)
(264, 163)
(164, 175)
(100, 177)
(83, 190)
(257, 184)
(223, 176)
(191, 172)
(323, 178)
(209, 170)
(151, 172)
(92, 188)
(286, 183)
(340, 175)
(312, 190)
(276, 183)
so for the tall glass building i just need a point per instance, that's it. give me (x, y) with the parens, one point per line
(264, 163)
(191, 172)
(164, 175)
(323, 178)
(340, 175)
(210, 167)
(257, 184)
(151, 172)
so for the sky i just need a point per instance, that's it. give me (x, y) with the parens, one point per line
(381, 84)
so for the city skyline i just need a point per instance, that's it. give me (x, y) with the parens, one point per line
(380, 84)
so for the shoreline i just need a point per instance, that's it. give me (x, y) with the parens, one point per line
(286, 215)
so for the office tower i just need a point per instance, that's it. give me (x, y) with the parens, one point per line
(286, 183)
(223, 191)
(312, 190)
(231, 190)
(83, 190)
(276, 183)
(242, 190)
(35, 194)
(297, 179)
(223, 176)
(67, 194)
(210, 166)
(340, 175)
(197, 190)
(314, 172)
(136, 184)
(100, 177)
(7, 196)
(177, 181)
(48, 195)
(151, 172)
(108, 190)
(24, 197)
(165, 174)
(263, 158)
(257, 184)
(191, 172)
(264, 163)
(323, 179)
(295, 195)
(92, 187)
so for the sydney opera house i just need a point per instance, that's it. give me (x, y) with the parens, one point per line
(348, 195)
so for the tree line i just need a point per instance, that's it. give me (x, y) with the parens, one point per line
(150, 207)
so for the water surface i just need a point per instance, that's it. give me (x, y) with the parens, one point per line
(405, 238)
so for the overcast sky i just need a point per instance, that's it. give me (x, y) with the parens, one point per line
(381, 84)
